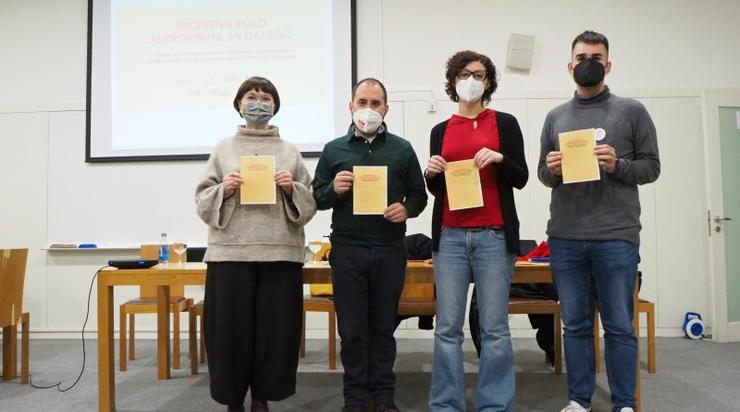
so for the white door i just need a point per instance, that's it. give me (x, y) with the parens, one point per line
(722, 143)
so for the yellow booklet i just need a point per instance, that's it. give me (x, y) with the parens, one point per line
(258, 173)
(370, 190)
(579, 162)
(463, 185)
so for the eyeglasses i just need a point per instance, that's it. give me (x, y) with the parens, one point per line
(264, 99)
(479, 75)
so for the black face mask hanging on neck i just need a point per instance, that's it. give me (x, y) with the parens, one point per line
(589, 73)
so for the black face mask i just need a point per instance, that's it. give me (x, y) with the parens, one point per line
(589, 73)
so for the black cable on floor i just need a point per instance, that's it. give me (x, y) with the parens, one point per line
(84, 357)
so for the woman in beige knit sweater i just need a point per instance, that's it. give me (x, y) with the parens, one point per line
(254, 287)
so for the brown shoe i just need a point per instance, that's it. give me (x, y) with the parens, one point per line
(259, 406)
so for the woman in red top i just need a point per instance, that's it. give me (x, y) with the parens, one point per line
(479, 243)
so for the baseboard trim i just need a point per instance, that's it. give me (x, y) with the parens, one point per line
(322, 333)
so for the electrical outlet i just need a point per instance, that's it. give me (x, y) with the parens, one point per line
(431, 106)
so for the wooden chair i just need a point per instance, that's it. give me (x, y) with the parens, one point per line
(193, 313)
(520, 306)
(643, 306)
(416, 300)
(196, 254)
(147, 303)
(321, 304)
(12, 277)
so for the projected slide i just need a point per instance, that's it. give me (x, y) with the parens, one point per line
(164, 73)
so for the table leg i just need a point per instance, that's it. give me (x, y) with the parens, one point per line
(163, 331)
(106, 376)
(25, 346)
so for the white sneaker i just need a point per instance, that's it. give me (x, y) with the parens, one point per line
(574, 406)
(628, 409)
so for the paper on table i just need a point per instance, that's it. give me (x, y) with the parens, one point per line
(463, 185)
(579, 162)
(258, 173)
(370, 190)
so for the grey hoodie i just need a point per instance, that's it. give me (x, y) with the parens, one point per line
(251, 233)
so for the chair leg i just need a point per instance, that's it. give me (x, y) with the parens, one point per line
(558, 336)
(6, 353)
(597, 343)
(122, 356)
(176, 339)
(303, 336)
(651, 338)
(202, 339)
(131, 338)
(332, 340)
(10, 355)
(192, 344)
(25, 319)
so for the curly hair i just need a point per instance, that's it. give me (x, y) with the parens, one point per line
(457, 63)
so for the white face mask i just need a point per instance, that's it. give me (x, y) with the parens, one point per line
(469, 90)
(367, 120)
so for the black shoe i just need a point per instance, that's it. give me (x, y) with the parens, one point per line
(386, 407)
(550, 356)
(235, 408)
(353, 409)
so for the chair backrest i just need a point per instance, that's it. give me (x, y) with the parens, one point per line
(417, 299)
(526, 246)
(151, 251)
(416, 291)
(195, 254)
(12, 276)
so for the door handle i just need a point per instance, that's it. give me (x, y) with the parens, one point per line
(719, 220)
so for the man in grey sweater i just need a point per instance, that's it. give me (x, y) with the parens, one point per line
(594, 227)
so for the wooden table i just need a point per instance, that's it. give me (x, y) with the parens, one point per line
(164, 276)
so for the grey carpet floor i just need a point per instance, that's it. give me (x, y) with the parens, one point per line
(692, 376)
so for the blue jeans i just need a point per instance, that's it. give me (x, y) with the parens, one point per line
(583, 270)
(483, 257)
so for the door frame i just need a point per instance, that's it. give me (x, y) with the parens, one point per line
(712, 100)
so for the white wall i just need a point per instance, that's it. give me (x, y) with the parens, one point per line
(50, 195)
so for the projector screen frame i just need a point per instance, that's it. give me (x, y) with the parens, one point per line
(181, 157)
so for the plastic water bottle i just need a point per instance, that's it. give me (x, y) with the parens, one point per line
(164, 251)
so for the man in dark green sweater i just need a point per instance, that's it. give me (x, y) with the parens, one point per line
(368, 256)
